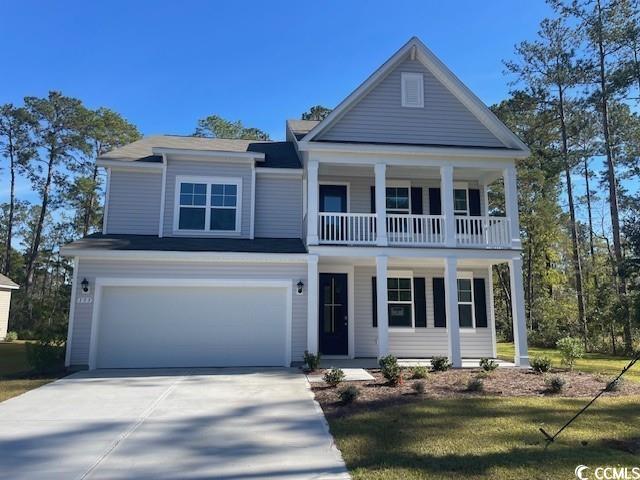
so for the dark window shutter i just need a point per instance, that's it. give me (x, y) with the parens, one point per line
(374, 295)
(474, 202)
(373, 199)
(439, 310)
(416, 200)
(419, 302)
(480, 302)
(435, 203)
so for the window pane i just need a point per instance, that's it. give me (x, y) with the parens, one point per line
(393, 295)
(200, 188)
(230, 201)
(217, 200)
(191, 219)
(186, 188)
(405, 295)
(223, 219)
(200, 200)
(392, 283)
(230, 189)
(217, 189)
(400, 315)
(464, 290)
(186, 199)
(460, 200)
(405, 283)
(464, 313)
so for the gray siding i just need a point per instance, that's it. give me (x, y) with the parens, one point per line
(423, 342)
(134, 202)
(5, 303)
(91, 269)
(203, 168)
(379, 116)
(278, 207)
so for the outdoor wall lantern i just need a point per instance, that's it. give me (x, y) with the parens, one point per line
(300, 286)
(85, 285)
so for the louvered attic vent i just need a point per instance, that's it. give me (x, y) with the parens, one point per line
(412, 90)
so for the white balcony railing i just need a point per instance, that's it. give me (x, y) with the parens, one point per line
(415, 230)
(347, 228)
(483, 232)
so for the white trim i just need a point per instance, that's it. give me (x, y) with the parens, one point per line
(105, 210)
(176, 256)
(406, 76)
(492, 312)
(152, 167)
(207, 153)
(346, 184)
(162, 196)
(72, 311)
(207, 212)
(279, 172)
(403, 274)
(351, 298)
(444, 75)
(253, 202)
(413, 252)
(102, 282)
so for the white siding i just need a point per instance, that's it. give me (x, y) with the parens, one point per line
(5, 303)
(134, 202)
(379, 117)
(91, 269)
(207, 169)
(278, 206)
(423, 342)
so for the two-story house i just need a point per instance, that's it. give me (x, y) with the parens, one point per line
(364, 234)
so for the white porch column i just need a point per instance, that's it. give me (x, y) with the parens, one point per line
(381, 305)
(518, 313)
(381, 207)
(312, 202)
(451, 308)
(446, 195)
(484, 191)
(312, 304)
(511, 203)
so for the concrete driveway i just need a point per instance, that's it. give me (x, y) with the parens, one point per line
(168, 424)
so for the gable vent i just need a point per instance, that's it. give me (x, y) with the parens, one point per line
(412, 90)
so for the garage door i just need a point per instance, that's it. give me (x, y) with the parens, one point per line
(147, 327)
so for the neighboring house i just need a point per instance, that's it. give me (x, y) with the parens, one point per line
(361, 235)
(6, 286)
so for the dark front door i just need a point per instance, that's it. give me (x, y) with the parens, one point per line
(334, 319)
(333, 198)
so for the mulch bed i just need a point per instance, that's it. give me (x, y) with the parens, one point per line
(504, 382)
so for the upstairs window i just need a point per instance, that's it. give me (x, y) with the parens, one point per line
(397, 199)
(460, 199)
(412, 90)
(208, 205)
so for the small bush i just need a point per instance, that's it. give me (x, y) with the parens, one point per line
(440, 364)
(349, 394)
(475, 384)
(571, 349)
(44, 357)
(391, 370)
(556, 383)
(333, 377)
(11, 337)
(615, 385)
(488, 365)
(419, 387)
(419, 372)
(541, 364)
(312, 361)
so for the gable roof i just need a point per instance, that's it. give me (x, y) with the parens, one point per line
(415, 49)
(6, 282)
(276, 154)
(300, 128)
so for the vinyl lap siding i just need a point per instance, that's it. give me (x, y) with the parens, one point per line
(134, 202)
(91, 269)
(5, 301)
(201, 168)
(379, 116)
(423, 342)
(278, 207)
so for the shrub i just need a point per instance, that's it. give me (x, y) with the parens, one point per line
(475, 384)
(440, 364)
(419, 387)
(556, 383)
(47, 353)
(571, 349)
(541, 364)
(488, 365)
(312, 361)
(349, 394)
(419, 372)
(333, 377)
(615, 385)
(391, 370)
(11, 337)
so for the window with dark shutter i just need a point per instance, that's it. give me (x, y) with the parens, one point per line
(419, 302)
(474, 202)
(373, 199)
(439, 310)
(435, 203)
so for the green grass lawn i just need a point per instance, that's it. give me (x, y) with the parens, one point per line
(484, 437)
(591, 363)
(15, 373)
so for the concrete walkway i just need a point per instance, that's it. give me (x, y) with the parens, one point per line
(168, 424)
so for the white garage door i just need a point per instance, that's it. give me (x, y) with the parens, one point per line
(146, 327)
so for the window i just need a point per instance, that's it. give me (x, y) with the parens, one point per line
(400, 301)
(465, 303)
(208, 205)
(397, 199)
(412, 90)
(460, 201)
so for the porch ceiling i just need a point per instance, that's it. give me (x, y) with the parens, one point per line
(410, 172)
(404, 262)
